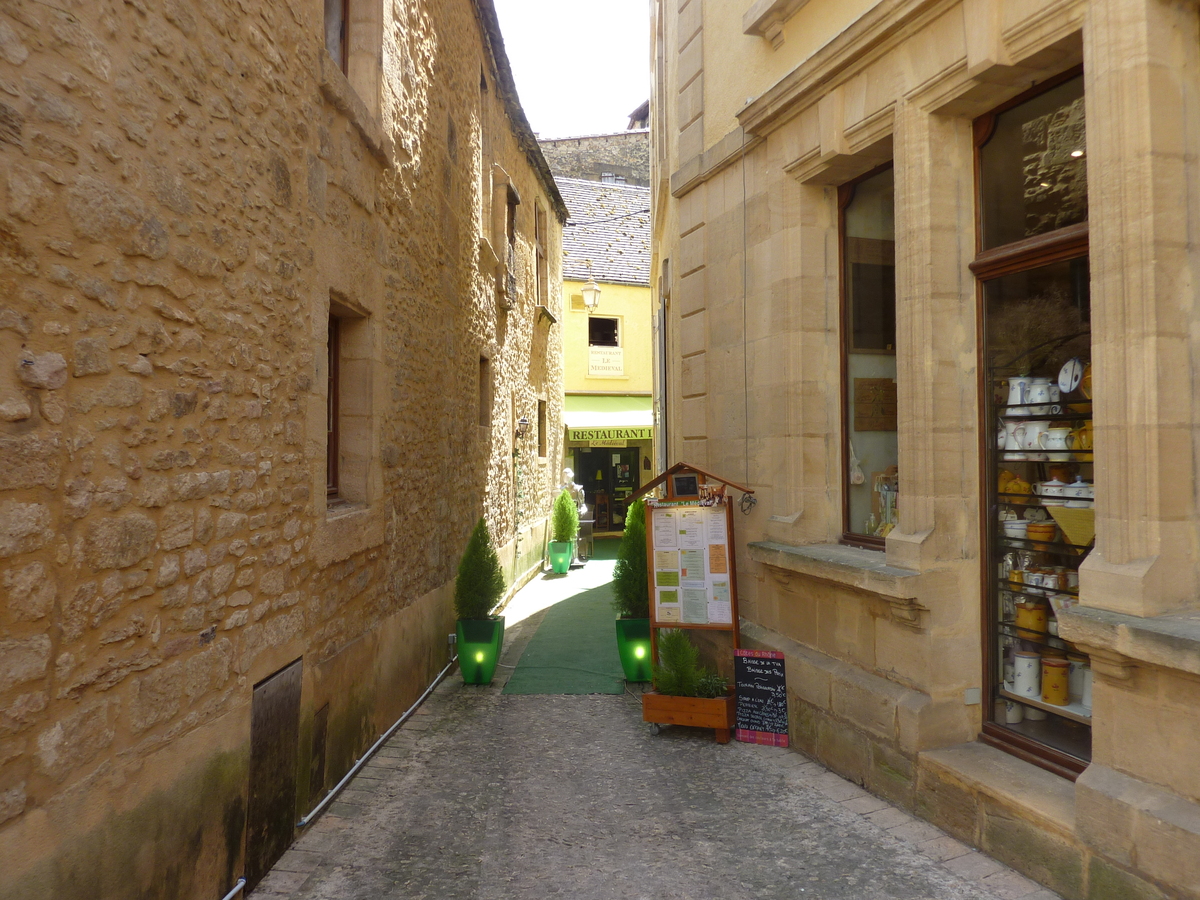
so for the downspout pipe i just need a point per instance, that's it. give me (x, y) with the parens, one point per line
(371, 752)
(237, 889)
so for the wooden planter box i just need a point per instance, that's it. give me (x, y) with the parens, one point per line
(718, 713)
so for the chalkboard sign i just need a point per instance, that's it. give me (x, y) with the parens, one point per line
(761, 697)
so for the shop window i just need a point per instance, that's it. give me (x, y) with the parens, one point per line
(542, 434)
(603, 332)
(1040, 522)
(485, 392)
(868, 288)
(337, 19)
(348, 404)
(1033, 167)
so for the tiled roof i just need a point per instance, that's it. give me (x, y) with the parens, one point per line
(613, 233)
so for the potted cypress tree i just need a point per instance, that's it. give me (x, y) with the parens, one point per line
(564, 525)
(631, 596)
(477, 589)
(684, 692)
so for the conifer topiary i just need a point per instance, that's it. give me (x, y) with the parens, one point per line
(480, 582)
(631, 591)
(564, 519)
(679, 673)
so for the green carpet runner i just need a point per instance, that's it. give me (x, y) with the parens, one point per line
(574, 650)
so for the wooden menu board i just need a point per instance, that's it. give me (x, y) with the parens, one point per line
(690, 556)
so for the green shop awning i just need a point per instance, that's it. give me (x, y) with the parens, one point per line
(598, 417)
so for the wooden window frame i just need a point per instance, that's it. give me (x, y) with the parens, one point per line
(344, 37)
(541, 262)
(844, 197)
(542, 432)
(487, 392)
(1024, 255)
(333, 406)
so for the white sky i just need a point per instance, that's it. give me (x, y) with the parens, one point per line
(581, 66)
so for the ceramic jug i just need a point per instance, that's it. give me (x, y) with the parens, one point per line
(1018, 393)
(1012, 443)
(1083, 436)
(1038, 394)
(1057, 439)
(1029, 434)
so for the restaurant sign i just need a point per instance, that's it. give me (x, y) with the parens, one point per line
(610, 434)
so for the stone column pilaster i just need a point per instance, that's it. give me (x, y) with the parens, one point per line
(1142, 71)
(935, 334)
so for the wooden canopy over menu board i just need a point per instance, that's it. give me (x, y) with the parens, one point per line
(690, 552)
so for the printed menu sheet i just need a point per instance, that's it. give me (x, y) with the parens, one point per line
(666, 529)
(691, 565)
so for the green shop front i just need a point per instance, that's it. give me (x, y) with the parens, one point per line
(609, 446)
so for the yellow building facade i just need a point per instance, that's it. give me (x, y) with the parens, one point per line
(928, 280)
(608, 350)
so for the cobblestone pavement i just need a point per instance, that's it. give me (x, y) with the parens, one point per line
(482, 796)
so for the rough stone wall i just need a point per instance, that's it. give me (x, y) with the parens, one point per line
(626, 153)
(183, 186)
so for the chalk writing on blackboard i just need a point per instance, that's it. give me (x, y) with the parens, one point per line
(761, 697)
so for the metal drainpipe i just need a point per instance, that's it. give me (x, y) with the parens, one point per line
(379, 743)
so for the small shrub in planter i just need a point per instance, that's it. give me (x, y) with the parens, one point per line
(631, 596)
(477, 589)
(684, 692)
(564, 525)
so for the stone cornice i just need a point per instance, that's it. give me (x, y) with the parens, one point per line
(878, 30)
(765, 18)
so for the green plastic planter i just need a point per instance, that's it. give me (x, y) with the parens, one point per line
(633, 645)
(479, 645)
(560, 556)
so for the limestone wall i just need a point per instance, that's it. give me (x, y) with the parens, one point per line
(626, 153)
(184, 186)
(884, 649)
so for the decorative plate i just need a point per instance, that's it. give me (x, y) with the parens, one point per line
(1070, 375)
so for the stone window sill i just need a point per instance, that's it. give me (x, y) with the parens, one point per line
(338, 91)
(349, 528)
(1122, 641)
(854, 567)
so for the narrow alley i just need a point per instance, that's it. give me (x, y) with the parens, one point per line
(485, 794)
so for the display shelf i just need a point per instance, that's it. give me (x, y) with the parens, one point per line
(1035, 466)
(1019, 587)
(1010, 630)
(1055, 548)
(1076, 712)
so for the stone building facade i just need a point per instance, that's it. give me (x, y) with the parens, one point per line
(214, 215)
(622, 157)
(807, 156)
